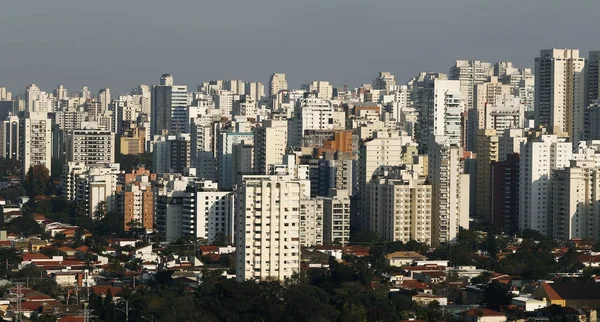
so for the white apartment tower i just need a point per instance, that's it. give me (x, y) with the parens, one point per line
(384, 149)
(560, 91)
(575, 201)
(208, 212)
(336, 218)
(450, 204)
(439, 106)
(470, 73)
(267, 228)
(10, 138)
(277, 83)
(538, 160)
(36, 140)
(105, 99)
(270, 143)
(5, 95)
(91, 146)
(384, 81)
(310, 113)
(323, 89)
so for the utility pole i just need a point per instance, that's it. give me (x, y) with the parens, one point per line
(126, 311)
(19, 295)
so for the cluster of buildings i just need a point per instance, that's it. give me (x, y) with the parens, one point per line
(274, 169)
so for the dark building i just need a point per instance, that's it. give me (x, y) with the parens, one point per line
(505, 194)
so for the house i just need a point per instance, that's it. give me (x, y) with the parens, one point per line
(589, 260)
(431, 277)
(402, 258)
(467, 272)
(528, 303)
(204, 250)
(145, 253)
(35, 245)
(484, 315)
(425, 299)
(67, 250)
(570, 294)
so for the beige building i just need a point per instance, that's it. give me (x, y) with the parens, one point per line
(488, 148)
(336, 217)
(450, 204)
(560, 91)
(36, 146)
(384, 149)
(270, 143)
(267, 227)
(401, 209)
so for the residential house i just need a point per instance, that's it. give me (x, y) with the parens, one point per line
(484, 315)
(570, 294)
(403, 258)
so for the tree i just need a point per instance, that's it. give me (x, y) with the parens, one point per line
(25, 225)
(101, 210)
(37, 180)
(496, 296)
(9, 259)
(365, 238)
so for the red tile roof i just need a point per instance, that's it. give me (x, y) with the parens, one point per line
(103, 289)
(32, 256)
(209, 249)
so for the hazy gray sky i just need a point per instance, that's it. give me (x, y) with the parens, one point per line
(123, 43)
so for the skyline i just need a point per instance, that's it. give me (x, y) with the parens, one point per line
(118, 47)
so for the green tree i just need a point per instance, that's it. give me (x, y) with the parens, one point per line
(37, 180)
(25, 225)
(9, 260)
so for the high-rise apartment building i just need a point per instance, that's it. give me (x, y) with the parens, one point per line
(470, 73)
(311, 221)
(135, 199)
(267, 228)
(323, 89)
(5, 95)
(9, 137)
(208, 213)
(270, 144)
(401, 209)
(384, 81)
(255, 90)
(310, 113)
(225, 143)
(505, 194)
(488, 148)
(575, 201)
(560, 91)
(36, 140)
(171, 153)
(91, 145)
(450, 202)
(439, 104)
(538, 160)
(169, 107)
(277, 83)
(384, 149)
(592, 78)
(105, 99)
(336, 218)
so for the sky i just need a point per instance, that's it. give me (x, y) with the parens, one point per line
(123, 43)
